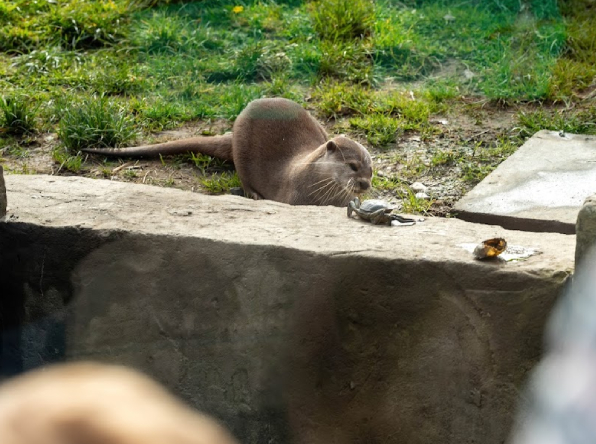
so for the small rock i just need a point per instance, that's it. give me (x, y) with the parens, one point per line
(418, 187)
(469, 74)
(180, 212)
(422, 196)
(440, 121)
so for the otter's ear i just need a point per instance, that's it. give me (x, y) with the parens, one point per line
(331, 146)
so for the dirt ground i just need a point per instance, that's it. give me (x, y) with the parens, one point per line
(410, 160)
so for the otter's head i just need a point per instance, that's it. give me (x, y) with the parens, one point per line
(349, 168)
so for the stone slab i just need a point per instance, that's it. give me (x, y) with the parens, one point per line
(105, 205)
(541, 187)
(290, 324)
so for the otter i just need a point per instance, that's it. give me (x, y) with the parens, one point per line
(96, 403)
(281, 153)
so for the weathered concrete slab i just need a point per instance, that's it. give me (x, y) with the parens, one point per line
(105, 205)
(2, 194)
(291, 324)
(541, 187)
(586, 229)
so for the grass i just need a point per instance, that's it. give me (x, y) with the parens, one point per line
(379, 129)
(221, 183)
(476, 163)
(343, 20)
(66, 160)
(207, 163)
(101, 72)
(575, 70)
(473, 162)
(17, 116)
(385, 183)
(581, 121)
(412, 204)
(11, 147)
(73, 24)
(130, 174)
(205, 60)
(95, 122)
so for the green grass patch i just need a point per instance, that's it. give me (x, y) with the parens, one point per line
(101, 71)
(474, 162)
(170, 62)
(17, 115)
(379, 129)
(345, 29)
(444, 157)
(9, 145)
(385, 183)
(412, 204)
(130, 174)
(382, 116)
(79, 24)
(335, 99)
(94, 122)
(484, 158)
(74, 24)
(412, 108)
(206, 164)
(508, 54)
(66, 160)
(220, 183)
(568, 121)
(164, 33)
(347, 61)
(343, 20)
(575, 71)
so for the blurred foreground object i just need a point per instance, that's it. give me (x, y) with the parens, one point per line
(89, 403)
(585, 229)
(560, 403)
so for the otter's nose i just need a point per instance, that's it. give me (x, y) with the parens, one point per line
(364, 184)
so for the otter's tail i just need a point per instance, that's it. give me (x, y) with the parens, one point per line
(216, 146)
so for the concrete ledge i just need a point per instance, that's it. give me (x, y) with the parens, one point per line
(291, 324)
(104, 205)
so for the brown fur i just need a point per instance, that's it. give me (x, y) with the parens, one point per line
(87, 403)
(281, 153)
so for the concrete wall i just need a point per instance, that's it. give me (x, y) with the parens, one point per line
(277, 342)
(286, 344)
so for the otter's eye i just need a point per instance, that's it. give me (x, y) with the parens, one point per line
(353, 166)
